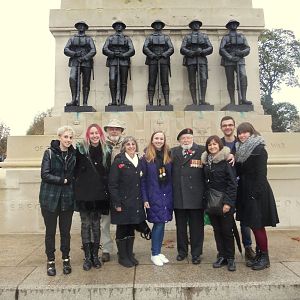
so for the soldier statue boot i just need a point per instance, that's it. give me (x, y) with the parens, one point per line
(85, 93)
(194, 95)
(203, 87)
(231, 96)
(73, 88)
(150, 96)
(243, 94)
(166, 93)
(113, 93)
(123, 94)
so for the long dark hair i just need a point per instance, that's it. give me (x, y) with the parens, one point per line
(246, 127)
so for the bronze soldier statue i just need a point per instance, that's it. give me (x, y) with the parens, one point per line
(233, 48)
(195, 47)
(158, 48)
(118, 48)
(81, 50)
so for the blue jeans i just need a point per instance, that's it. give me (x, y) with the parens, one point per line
(157, 237)
(246, 235)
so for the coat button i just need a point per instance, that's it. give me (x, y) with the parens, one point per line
(164, 194)
(137, 184)
(137, 197)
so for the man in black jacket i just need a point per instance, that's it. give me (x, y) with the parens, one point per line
(227, 125)
(188, 190)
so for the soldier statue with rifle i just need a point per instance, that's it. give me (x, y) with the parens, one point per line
(195, 47)
(158, 48)
(233, 48)
(118, 48)
(81, 50)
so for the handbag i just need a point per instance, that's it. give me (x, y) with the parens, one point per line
(214, 201)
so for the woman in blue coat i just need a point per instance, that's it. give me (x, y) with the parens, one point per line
(157, 191)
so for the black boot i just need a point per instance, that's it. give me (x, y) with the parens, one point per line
(231, 264)
(262, 263)
(220, 262)
(51, 271)
(252, 262)
(249, 253)
(87, 264)
(123, 258)
(95, 256)
(67, 269)
(130, 242)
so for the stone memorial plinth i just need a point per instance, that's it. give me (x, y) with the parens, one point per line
(20, 173)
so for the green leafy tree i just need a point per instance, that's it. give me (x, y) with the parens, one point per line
(284, 116)
(37, 126)
(4, 133)
(279, 58)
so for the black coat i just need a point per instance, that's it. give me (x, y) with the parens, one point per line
(188, 178)
(125, 192)
(220, 175)
(256, 205)
(91, 181)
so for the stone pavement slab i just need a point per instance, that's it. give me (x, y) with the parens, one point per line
(23, 272)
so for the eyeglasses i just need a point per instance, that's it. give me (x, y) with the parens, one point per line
(227, 125)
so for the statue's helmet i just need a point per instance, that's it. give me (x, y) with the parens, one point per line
(195, 21)
(81, 23)
(158, 21)
(232, 21)
(118, 22)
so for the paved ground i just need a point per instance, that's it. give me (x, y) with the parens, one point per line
(23, 273)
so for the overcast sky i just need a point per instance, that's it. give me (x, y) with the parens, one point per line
(27, 57)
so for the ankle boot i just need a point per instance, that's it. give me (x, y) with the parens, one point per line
(51, 271)
(130, 242)
(249, 253)
(73, 87)
(251, 262)
(231, 264)
(95, 256)
(85, 95)
(67, 269)
(123, 258)
(262, 263)
(87, 264)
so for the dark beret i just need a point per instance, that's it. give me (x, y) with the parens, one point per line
(184, 131)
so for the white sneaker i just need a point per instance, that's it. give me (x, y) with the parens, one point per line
(163, 258)
(156, 260)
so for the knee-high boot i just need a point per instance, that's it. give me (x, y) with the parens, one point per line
(123, 258)
(130, 242)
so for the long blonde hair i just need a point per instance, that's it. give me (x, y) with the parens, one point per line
(150, 152)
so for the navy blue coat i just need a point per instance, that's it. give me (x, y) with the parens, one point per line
(159, 196)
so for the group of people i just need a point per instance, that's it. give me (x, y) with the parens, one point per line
(108, 181)
(158, 49)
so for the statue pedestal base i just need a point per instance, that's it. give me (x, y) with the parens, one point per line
(200, 107)
(79, 109)
(159, 107)
(238, 108)
(117, 108)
